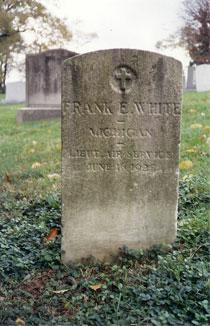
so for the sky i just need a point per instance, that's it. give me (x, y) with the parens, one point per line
(137, 24)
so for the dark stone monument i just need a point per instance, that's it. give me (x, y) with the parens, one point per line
(43, 85)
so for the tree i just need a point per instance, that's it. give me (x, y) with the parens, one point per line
(19, 16)
(194, 35)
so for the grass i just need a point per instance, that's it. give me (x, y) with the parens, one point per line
(22, 145)
(164, 285)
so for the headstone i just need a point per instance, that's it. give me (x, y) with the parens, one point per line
(191, 78)
(183, 82)
(203, 78)
(15, 93)
(121, 112)
(43, 85)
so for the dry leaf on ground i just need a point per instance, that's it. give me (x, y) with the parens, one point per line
(185, 165)
(96, 287)
(196, 125)
(53, 176)
(8, 178)
(208, 141)
(61, 291)
(36, 165)
(207, 128)
(20, 322)
(51, 235)
(191, 151)
(203, 137)
(67, 304)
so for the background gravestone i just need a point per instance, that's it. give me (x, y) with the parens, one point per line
(191, 78)
(121, 114)
(15, 93)
(203, 78)
(43, 85)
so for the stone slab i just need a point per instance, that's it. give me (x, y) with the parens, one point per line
(37, 114)
(121, 113)
(191, 78)
(43, 78)
(15, 93)
(203, 78)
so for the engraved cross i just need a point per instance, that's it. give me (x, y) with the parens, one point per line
(124, 77)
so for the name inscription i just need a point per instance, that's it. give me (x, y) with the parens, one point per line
(123, 108)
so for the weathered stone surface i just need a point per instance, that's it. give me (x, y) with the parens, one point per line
(37, 114)
(121, 114)
(15, 93)
(43, 85)
(203, 78)
(43, 78)
(191, 78)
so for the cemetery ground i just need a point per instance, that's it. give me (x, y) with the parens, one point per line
(165, 285)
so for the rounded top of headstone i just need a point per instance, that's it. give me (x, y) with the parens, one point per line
(117, 51)
(128, 71)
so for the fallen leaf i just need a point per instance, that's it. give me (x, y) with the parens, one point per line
(185, 165)
(203, 137)
(8, 178)
(191, 111)
(34, 142)
(191, 151)
(31, 150)
(61, 291)
(58, 148)
(207, 128)
(67, 304)
(36, 165)
(188, 177)
(20, 322)
(51, 235)
(96, 287)
(202, 153)
(53, 176)
(196, 125)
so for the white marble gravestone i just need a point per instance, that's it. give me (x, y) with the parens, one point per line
(203, 78)
(121, 113)
(15, 93)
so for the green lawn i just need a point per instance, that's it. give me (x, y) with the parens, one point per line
(165, 285)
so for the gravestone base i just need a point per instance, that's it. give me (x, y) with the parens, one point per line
(38, 114)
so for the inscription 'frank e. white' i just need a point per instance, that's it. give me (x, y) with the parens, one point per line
(123, 108)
